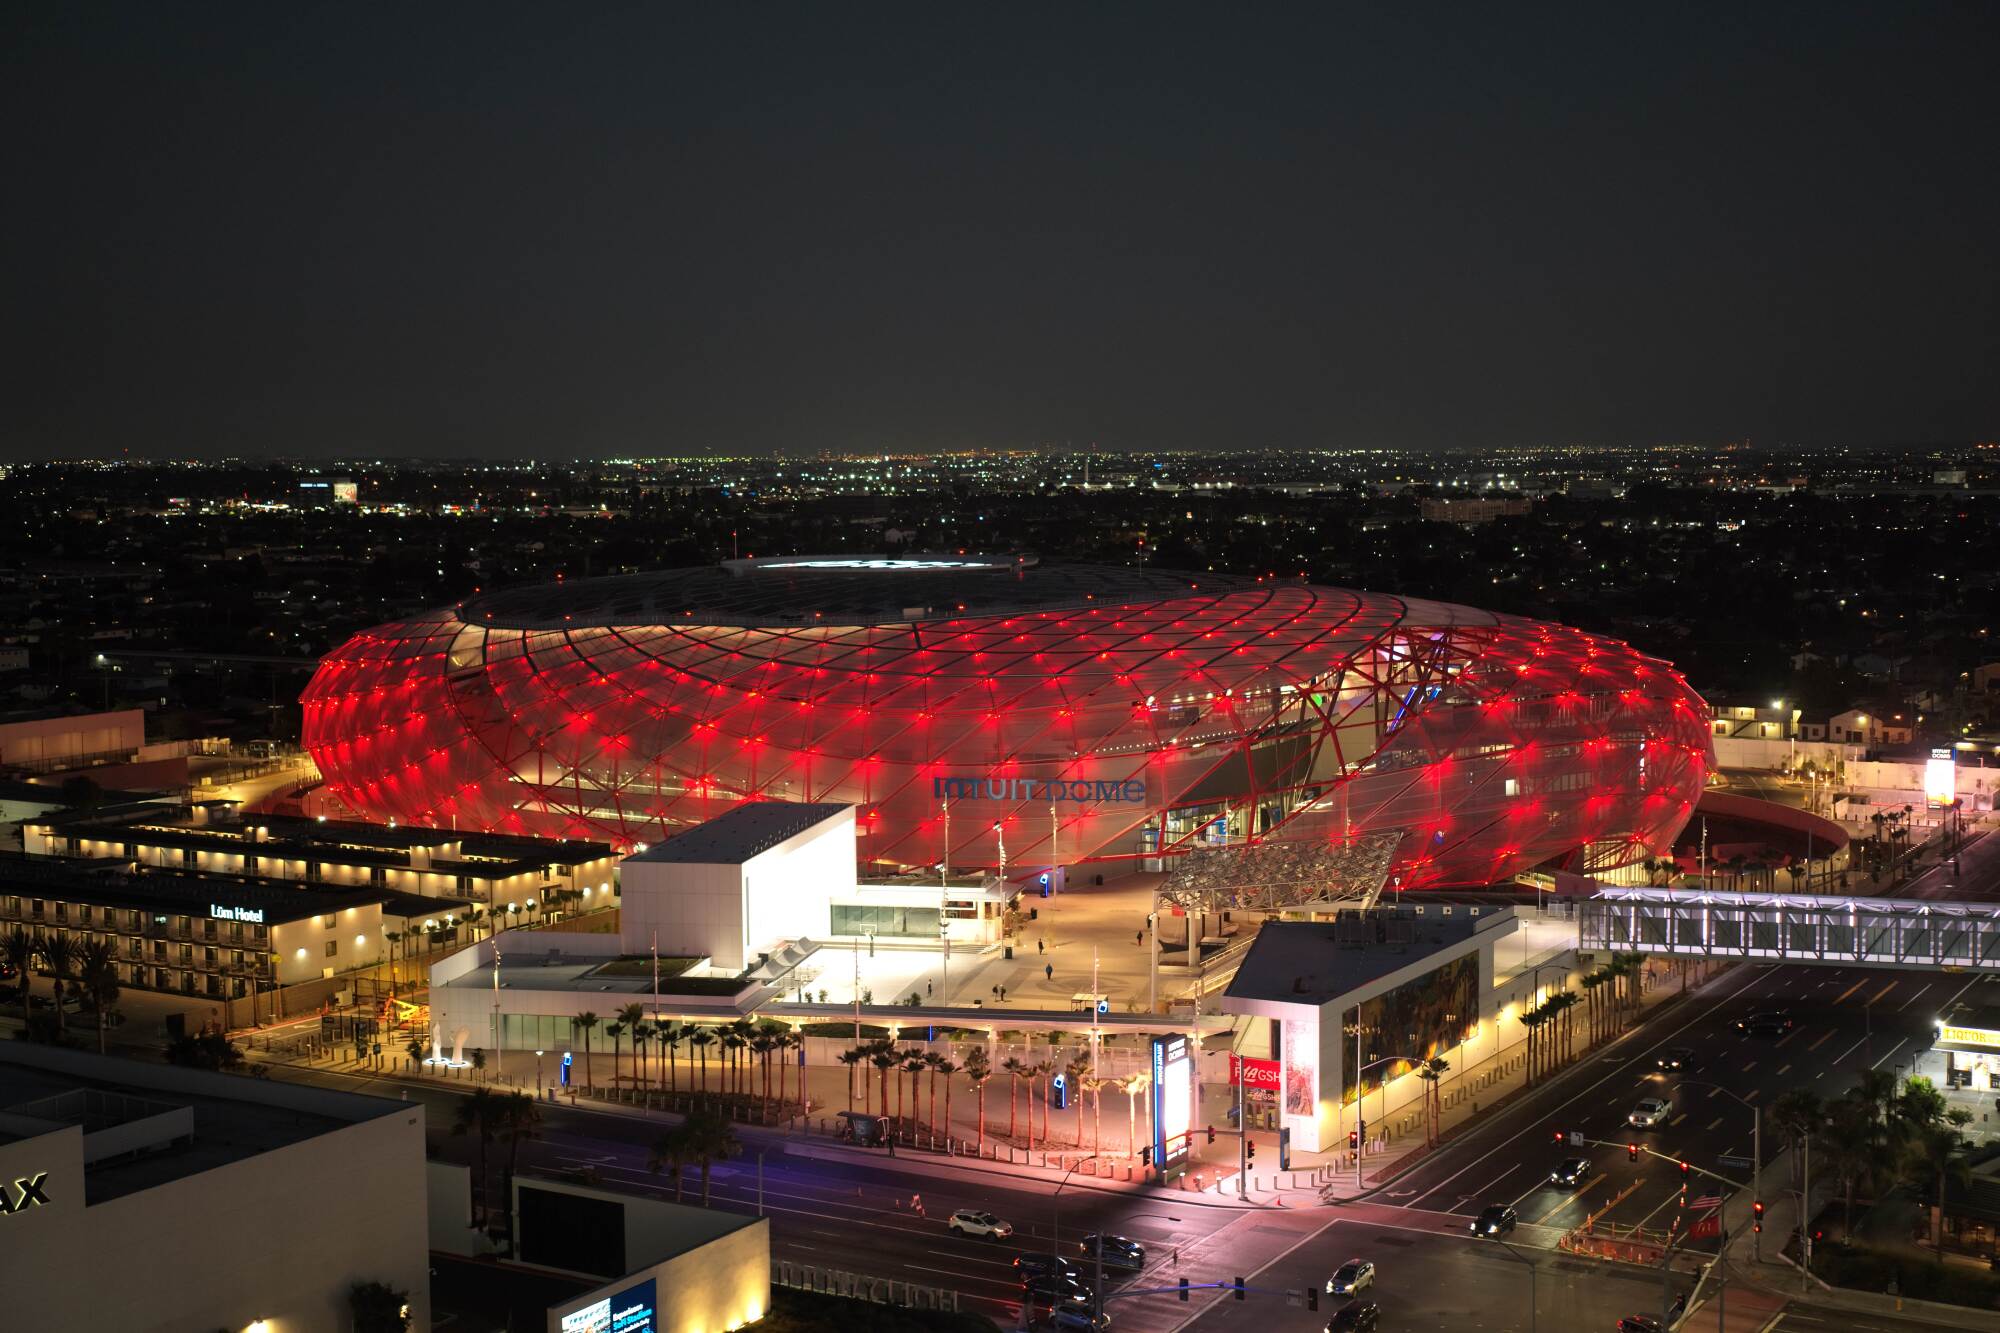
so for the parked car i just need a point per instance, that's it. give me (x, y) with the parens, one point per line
(1674, 1059)
(1570, 1171)
(1081, 1320)
(1649, 1112)
(1355, 1317)
(1775, 1023)
(973, 1222)
(1120, 1252)
(1639, 1323)
(1350, 1278)
(1034, 1264)
(1495, 1220)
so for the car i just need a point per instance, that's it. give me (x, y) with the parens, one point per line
(1034, 1264)
(1639, 1323)
(1674, 1059)
(1082, 1320)
(1120, 1252)
(1570, 1171)
(1495, 1220)
(1775, 1023)
(974, 1222)
(1355, 1317)
(1649, 1112)
(1055, 1290)
(1350, 1278)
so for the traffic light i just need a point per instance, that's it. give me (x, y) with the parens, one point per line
(1312, 1298)
(1561, 1137)
(1249, 1149)
(1353, 1139)
(1183, 1289)
(1757, 1215)
(1684, 1172)
(1631, 1152)
(1146, 1155)
(1239, 1288)
(1211, 1133)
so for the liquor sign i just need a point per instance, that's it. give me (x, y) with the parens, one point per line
(1984, 1038)
(1253, 1073)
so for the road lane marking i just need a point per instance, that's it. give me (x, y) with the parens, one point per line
(1877, 997)
(1813, 1046)
(1900, 1043)
(1712, 1124)
(967, 1277)
(1849, 1051)
(1747, 1068)
(1914, 998)
(1581, 1190)
(1677, 1119)
(1850, 990)
(1786, 1069)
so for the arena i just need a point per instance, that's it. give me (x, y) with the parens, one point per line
(996, 713)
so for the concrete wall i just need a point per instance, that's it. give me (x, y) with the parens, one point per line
(48, 741)
(716, 1274)
(279, 1235)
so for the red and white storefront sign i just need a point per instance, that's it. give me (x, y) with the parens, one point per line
(1253, 1073)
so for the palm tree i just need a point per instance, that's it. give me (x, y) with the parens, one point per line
(519, 1120)
(395, 937)
(702, 1039)
(1532, 1020)
(614, 1030)
(979, 1068)
(1040, 1072)
(913, 1065)
(883, 1056)
(761, 1044)
(18, 949)
(1016, 1070)
(629, 1018)
(945, 1067)
(59, 955)
(670, 1149)
(1074, 1074)
(642, 1037)
(1850, 1149)
(97, 974)
(584, 1023)
(1132, 1085)
(669, 1036)
(709, 1138)
(852, 1057)
(479, 1114)
(1933, 1155)
(1432, 1072)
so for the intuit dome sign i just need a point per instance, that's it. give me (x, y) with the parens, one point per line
(1131, 791)
(1078, 713)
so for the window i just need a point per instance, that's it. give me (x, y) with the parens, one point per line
(903, 922)
(332, 948)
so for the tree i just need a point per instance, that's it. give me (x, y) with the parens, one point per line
(1432, 1072)
(670, 1150)
(97, 976)
(615, 1030)
(978, 1069)
(642, 1037)
(518, 1121)
(1932, 1156)
(1016, 1069)
(583, 1024)
(1798, 1114)
(1132, 1085)
(851, 1057)
(732, 1045)
(945, 1068)
(19, 951)
(1850, 1148)
(913, 1065)
(395, 937)
(883, 1056)
(1040, 1072)
(702, 1039)
(1074, 1073)
(629, 1018)
(761, 1045)
(479, 1115)
(669, 1036)
(378, 1307)
(59, 955)
(709, 1138)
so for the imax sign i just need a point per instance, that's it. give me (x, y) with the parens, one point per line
(27, 1193)
(1097, 791)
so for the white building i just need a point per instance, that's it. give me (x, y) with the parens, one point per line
(144, 1196)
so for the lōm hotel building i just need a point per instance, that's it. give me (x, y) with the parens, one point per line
(987, 712)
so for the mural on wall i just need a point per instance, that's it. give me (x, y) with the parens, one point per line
(1424, 1017)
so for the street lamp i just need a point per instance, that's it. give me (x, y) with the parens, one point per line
(1756, 1153)
(538, 1075)
(1360, 1121)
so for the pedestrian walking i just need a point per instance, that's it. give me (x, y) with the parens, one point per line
(927, 990)
(1049, 971)
(1040, 946)
(1139, 937)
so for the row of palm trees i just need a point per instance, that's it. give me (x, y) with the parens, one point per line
(1610, 997)
(1876, 1135)
(746, 1053)
(703, 1138)
(88, 963)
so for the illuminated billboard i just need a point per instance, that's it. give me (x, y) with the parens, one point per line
(1173, 1100)
(633, 1310)
(1940, 778)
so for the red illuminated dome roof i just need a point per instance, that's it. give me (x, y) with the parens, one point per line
(986, 708)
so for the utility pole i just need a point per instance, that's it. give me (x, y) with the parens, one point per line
(1242, 1140)
(1757, 1179)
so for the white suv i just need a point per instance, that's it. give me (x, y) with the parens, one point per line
(1649, 1112)
(972, 1222)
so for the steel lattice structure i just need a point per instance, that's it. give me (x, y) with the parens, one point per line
(1793, 928)
(986, 712)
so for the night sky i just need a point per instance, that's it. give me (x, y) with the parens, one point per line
(573, 230)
